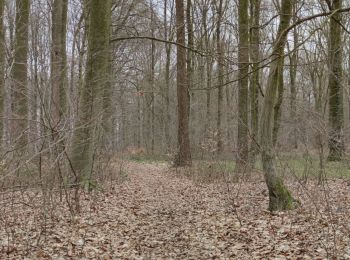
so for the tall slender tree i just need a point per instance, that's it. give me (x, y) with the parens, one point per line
(19, 75)
(2, 67)
(293, 61)
(167, 78)
(243, 67)
(183, 97)
(220, 54)
(58, 61)
(209, 64)
(151, 80)
(255, 78)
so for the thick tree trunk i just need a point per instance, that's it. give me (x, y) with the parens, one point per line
(336, 117)
(280, 197)
(96, 76)
(183, 98)
(243, 67)
(19, 76)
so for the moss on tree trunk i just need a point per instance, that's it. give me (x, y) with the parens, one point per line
(279, 195)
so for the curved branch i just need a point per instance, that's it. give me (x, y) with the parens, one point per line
(158, 40)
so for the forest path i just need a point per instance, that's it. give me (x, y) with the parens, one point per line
(159, 213)
(173, 217)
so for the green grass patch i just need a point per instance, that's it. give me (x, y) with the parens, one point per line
(302, 167)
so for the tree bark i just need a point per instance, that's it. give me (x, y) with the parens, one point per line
(153, 64)
(277, 108)
(220, 53)
(19, 76)
(279, 196)
(336, 116)
(96, 75)
(255, 78)
(209, 68)
(2, 70)
(167, 117)
(293, 89)
(58, 61)
(183, 98)
(243, 67)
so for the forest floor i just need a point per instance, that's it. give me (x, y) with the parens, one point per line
(162, 213)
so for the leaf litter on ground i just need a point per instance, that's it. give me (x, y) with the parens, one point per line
(161, 213)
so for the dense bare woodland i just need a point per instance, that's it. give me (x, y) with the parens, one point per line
(174, 129)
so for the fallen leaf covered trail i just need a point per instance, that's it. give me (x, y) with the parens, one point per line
(157, 213)
(184, 220)
(176, 215)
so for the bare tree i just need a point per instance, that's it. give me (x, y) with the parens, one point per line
(183, 97)
(280, 197)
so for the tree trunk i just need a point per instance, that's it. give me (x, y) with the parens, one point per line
(209, 68)
(293, 60)
(279, 196)
(167, 118)
(336, 117)
(153, 64)
(58, 62)
(220, 53)
(2, 70)
(255, 79)
(58, 76)
(277, 108)
(19, 76)
(183, 98)
(96, 76)
(190, 70)
(243, 66)
(293, 97)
